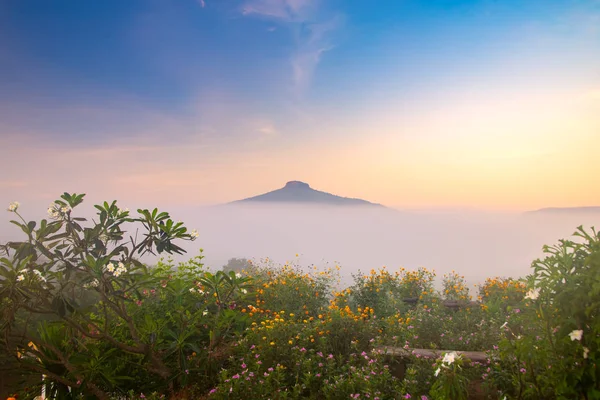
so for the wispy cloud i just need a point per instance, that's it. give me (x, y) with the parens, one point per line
(284, 10)
(267, 131)
(311, 26)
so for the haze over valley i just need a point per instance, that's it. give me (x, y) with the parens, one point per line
(325, 230)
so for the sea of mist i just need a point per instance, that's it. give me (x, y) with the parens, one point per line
(475, 244)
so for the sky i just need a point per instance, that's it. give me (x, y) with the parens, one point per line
(487, 104)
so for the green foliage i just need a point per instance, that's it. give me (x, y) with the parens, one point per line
(450, 383)
(80, 308)
(551, 346)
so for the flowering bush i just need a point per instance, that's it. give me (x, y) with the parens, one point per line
(551, 348)
(450, 382)
(81, 309)
(455, 287)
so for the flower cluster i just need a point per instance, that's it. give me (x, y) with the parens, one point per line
(533, 294)
(447, 360)
(38, 274)
(12, 207)
(57, 212)
(94, 283)
(120, 269)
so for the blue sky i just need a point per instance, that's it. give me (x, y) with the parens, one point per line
(237, 88)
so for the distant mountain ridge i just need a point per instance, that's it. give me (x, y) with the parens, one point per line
(301, 192)
(563, 210)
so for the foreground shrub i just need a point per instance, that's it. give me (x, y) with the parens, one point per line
(551, 346)
(308, 373)
(82, 310)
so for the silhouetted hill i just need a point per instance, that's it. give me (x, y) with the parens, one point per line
(567, 210)
(300, 192)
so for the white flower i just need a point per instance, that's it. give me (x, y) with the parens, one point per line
(200, 291)
(194, 233)
(449, 357)
(53, 212)
(576, 335)
(238, 275)
(437, 372)
(192, 290)
(65, 209)
(116, 271)
(585, 352)
(94, 283)
(205, 312)
(244, 291)
(39, 274)
(533, 294)
(12, 207)
(20, 278)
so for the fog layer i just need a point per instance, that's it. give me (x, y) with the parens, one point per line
(475, 244)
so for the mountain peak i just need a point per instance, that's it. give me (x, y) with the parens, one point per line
(296, 184)
(301, 192)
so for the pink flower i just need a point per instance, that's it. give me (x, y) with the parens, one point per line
(523, 370)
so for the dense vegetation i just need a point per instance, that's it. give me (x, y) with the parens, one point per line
(80, 310)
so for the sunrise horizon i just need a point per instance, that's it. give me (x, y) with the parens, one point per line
(465, 104)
